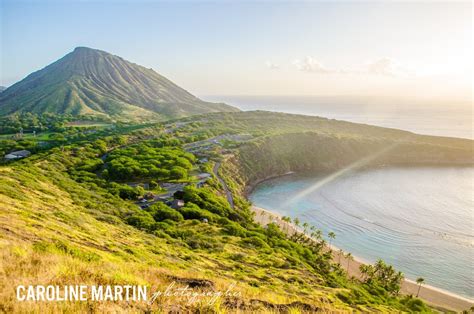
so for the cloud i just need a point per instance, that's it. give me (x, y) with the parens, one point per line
(271, 65)
(385, 66)
(310, 64)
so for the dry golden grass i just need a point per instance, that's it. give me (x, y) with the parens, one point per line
(46, 239)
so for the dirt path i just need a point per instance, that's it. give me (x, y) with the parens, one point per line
(435, 297)
(228, 194)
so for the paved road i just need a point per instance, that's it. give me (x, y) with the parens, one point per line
(228, 194)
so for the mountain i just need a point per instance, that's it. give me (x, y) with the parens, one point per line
(2, 88)
(93, 82)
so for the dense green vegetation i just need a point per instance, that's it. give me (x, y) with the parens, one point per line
(30, 122)
(382, 275)
(73, 204)
(145, 160)
(57, 131)
(313, 151)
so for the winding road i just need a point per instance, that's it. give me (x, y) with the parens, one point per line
(228, 194)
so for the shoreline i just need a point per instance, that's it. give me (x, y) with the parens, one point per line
(433, 296)
(249, 187)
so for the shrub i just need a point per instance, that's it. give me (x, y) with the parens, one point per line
(163, 225)
(178, 173)
(255, 242)
(206, 199)
(153, 184)
(238, 257)
(204, 243)
(414, 304)
(192, 211)
(161, 234)
(162, 212)
(141, 220)
(272, 230)
(234, 229)
(126, 192)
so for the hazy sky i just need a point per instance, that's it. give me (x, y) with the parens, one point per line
(314, 48)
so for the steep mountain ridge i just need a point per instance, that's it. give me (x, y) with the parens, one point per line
(93, 82)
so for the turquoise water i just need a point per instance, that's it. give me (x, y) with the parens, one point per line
(420, 220)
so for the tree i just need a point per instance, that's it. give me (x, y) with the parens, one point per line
(296, 221)
(341, 252)
(349, 258)
(162, 212)
(331, 236)
(141, 220)
(305, 227)
(319, 234)
(178, 173)
(380, 266)
(382, 274)
(287, 221)
(296, 234)
(419, 281)
(128, 192)
(364, 270)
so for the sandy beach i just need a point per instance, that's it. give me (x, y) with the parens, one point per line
(435, 297)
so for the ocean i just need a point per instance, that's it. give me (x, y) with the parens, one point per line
(452, 120)
(420, 220)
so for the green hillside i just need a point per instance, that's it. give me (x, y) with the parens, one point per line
(93, 82)
(71, 214)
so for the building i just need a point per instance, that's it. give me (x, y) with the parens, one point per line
(17, 155)
(176, 204)
(203, 175)
(203, 160)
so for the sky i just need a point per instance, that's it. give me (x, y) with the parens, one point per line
(387, 49)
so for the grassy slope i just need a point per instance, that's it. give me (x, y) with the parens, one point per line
(58, 231)
(48, 238)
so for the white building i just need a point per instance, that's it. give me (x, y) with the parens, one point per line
(17, 155)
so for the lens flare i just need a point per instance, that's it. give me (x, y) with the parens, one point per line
(333, 176)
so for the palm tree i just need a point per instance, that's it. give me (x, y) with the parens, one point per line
(397, 282)
(349, 258)
(419, 281)
(305, 227)
(364, 270)
(331, 236)
(319, 234)
(296, 221)
(340, 254)
(322, 243)
(288, 221)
